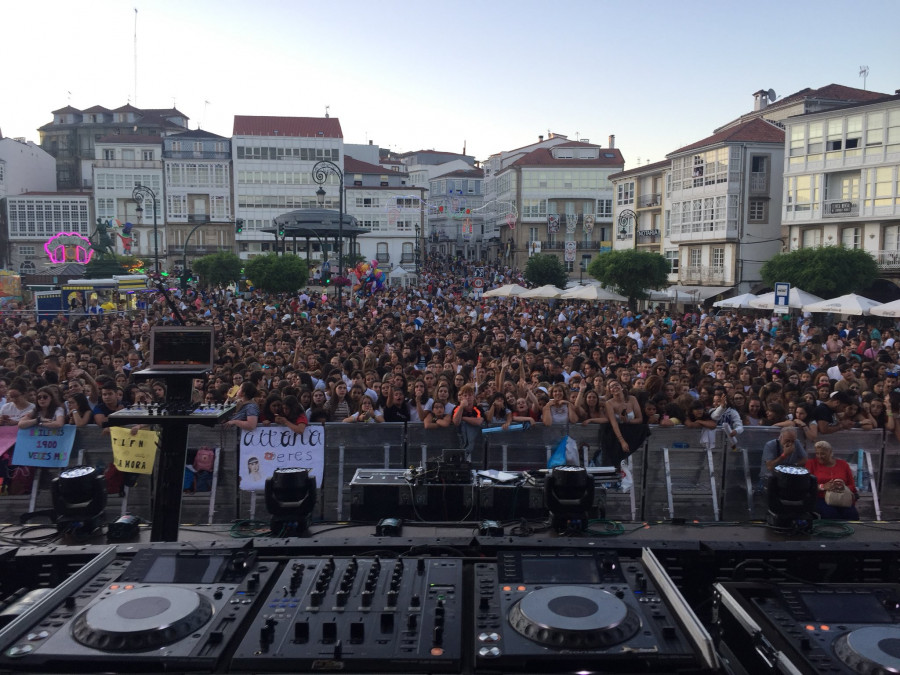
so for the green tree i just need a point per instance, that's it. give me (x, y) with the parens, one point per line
(543, 269)
(631, 272)
(217, 269)
(828, 271)
(275, 273)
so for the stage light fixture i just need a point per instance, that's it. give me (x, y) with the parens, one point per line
(79, 500)
(291, 500)
(569, 492)
(791, 498)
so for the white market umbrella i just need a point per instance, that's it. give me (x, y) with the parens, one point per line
(888, 309)
(846, 304)
(741, 301)
(398, 272)
(797, 299)
(548, 291)
(505, 291)
(593, 293)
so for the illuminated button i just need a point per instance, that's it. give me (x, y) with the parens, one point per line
(520, 588)
(824, 627)
(129, 587)
(114, 587)
(488, 637)
(40, 635)
(489, 652)
(437, 651)
(507, 588)
(808, 627)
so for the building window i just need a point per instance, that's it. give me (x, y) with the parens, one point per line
(148, 155)
(570, 266)
(696, 257)
(625, 193)
(812, 238)
(851, 237)
(30, 251)
(109, 154)
(718, 258)
(672, 257)
(757, 211)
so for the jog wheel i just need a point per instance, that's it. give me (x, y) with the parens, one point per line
(574, 617)
(873, 649)
(142, 619)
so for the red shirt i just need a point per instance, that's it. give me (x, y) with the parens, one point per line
(823, 474)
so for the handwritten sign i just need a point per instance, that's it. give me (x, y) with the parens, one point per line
(268, 448)
(134, 453)
(38, 446)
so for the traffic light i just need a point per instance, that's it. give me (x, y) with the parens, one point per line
(190, 275)
(326, 277)
(280, 229)
(238, 226)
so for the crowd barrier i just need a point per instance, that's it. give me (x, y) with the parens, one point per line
(672, 476)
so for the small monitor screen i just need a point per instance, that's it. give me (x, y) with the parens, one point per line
(181, 347)
(560, 570)
(845, 608)
(175, 569)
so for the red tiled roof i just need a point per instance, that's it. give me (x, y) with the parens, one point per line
(431, 152)
(131, 138)
(755, 131)
(577, 144)
(834, 92)
(303, 127)
(352, 165)
(544, 157)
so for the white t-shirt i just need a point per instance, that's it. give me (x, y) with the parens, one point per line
(14, 413)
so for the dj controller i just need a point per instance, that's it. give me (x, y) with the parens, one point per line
(219, 610)
(174, 409)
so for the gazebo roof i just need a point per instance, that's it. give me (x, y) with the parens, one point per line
(315, 222)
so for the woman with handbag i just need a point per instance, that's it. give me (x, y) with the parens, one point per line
(837, 489)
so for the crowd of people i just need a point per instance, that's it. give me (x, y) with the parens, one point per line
(439, 354)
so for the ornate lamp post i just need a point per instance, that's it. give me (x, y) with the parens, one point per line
(139, 194)
(320, 173)
(417, 251)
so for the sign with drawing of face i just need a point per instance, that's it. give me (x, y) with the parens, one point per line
(268, 448)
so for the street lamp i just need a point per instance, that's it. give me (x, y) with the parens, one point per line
(139, 194)
(320, 173)
(417, 251)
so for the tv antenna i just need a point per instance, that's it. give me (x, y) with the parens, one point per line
(864, 73)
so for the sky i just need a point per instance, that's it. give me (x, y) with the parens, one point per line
(487, 76)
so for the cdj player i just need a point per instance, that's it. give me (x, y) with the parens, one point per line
(826, 628)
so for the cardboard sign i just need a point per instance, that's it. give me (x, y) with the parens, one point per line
(134, 453)
(37, 446)
(267, 448)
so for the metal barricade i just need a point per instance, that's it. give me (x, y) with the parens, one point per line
(522, 450)
(349, 447)
(423, 444)
(743, 495)
(889, 483)
(683, 477)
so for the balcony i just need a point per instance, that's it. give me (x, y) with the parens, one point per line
(649, 201)
(701, 274)
(198, 218)
(191, 154)
(407, 259)
(759, 182)
(383, 258)
(713, 231)
(127, 164)
(888, 260)
(840, 208)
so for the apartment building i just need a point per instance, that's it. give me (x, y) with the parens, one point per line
(640, 209)
(842, 180)
(553, 196)
(273, 159)
(121, 163)
(390, 210)
(45, 229)
(73, 133)
(198, 195)
(724, 206)
(456, 216)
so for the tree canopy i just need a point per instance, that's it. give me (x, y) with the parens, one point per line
(218, 269)
(827, 271)
(275, 273)
(631, 272)
(543, 269)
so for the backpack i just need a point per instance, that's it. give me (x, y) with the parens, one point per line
(205, 459)
(115, 480)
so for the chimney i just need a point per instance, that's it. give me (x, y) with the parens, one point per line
(612, 141)
(370, 142)
(540, 139)
(760, 100)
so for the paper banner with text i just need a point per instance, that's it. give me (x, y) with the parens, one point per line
(267, 448)
(7, 438)
(37, 446)
(134, 453)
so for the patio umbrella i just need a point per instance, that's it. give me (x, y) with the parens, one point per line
(593, 293)
(548, 291)
(845, 304)
(741, 301)
(797, 299)
(888, 309)
(505, 291)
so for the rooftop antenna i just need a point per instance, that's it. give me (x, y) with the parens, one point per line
(864, 73)
(135, 55)
(326, 111)
(203, 119)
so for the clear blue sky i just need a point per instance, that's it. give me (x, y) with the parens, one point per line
(408, 76)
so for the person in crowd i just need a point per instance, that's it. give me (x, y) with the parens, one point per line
(47, 413)
(785, 450)
(468, 418)
(366, 413)
(16, 406)
(79, 410)
(246, 417)
(834, 476)
(292, 415)
(559, 411)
